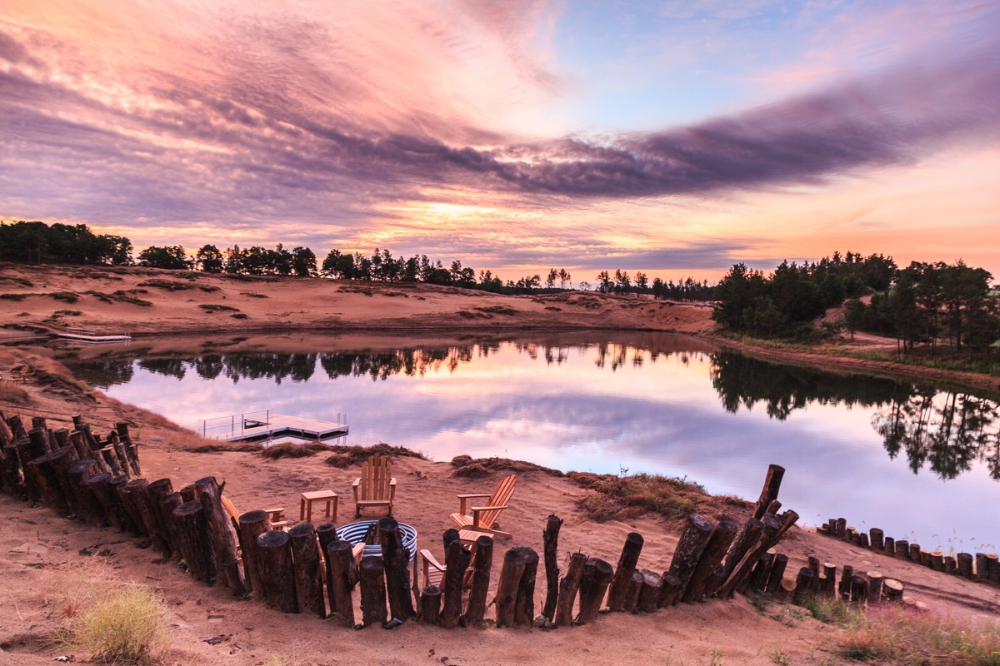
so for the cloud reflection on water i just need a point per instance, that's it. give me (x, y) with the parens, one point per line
(603, 409)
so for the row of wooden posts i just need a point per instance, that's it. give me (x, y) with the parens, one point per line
(982, 567)
(309, 569)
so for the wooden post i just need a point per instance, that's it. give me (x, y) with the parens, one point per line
(761, 571)
(859, 590)
(131, 449)
(845, 582)
(671, 590)
(167, 506)
(514, 561)
(220, 527)
(649, 595)
(568, 588)
(992, 569)
(964, 565)
(276, 571)
(372, 575)
(890, 546)
(39, 438)
(803, 586)
(90, 510)
(618, 592)
(877, 539)
(914, 555)
(308, 580)
(875, 582)
(594, 583)
(550, 539)
(341, 576)
(103, 493)
(481, 567)
(193, 542)
(747, 538)
(396, 561)
(632, 596)
(902, 549)
(252, 525)
(950, 566)
(524, 605)
(694, 539)
(982, 568)
(456, 559)
(841, 527)
(718, 544)
(862, 541)
(157, 491)
(134, 498)
(937, 560)
(892, 591)
(128, 516)
(830, 572)
(772, 483)
(776, 575)
(49, 483)
(769, 536)
(430, 605)
(187, 493)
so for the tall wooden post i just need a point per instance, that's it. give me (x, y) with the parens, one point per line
(277, 573)
(514, 561)
(772, 484)
(593, 584)
(693, 541)
(568, 588)
(252, 525)
(372, 576)
(550, 538)
(718, 544)
(481, 566)
(396, 560)
(456, 562)
(341, 577)
(209, 493)
(618, 592)
(308, 579)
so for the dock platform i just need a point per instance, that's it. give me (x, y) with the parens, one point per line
(247, 428)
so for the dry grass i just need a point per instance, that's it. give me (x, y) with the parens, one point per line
(126, 626)
(911, 638)
(349, 456)
(625, 497)
(477, 468)
(291, 450)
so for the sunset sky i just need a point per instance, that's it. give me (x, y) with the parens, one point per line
(671, 137)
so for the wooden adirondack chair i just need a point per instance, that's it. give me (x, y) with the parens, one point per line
(483, 517)
(376, 487)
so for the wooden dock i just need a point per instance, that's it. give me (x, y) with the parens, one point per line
(244, 428)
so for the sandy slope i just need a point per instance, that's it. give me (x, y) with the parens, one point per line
(270, 303)
(44, 574)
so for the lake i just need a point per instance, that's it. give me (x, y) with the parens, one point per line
(919, 461)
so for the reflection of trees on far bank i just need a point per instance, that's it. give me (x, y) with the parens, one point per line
(375, 364)
(945, 430)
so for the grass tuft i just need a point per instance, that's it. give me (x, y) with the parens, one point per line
(911, 638)
(349, 456)
(626, 497)
(125, 626)
(477, 468)
(292, 450)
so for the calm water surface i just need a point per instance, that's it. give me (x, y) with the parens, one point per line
(919, 461)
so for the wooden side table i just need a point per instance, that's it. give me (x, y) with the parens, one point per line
(328, 496)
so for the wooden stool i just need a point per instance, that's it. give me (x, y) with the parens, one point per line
(328, 496)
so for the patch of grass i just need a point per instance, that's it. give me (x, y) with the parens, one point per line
(126, 626)
(625, 497)
(65, 296)
(349, 456)
(169, 285)
(210, 307)
(477, 468)
(208, 288)
(290, 450)
(253, 294)
(499, 309)
(224, 448)
(780, 658)
(912, 638)
(66, 313)
(119, 296)
(15, 297)
(240, 316)
(831, 611)
(16, 280)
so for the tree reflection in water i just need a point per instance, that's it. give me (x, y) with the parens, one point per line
(946, 430)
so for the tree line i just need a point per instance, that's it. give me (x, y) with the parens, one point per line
(922, 303)
(684, 290)
(37, 243)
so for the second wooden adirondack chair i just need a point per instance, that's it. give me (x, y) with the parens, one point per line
(483, 517)
(376, 487)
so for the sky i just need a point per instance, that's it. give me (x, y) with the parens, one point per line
(671, 137)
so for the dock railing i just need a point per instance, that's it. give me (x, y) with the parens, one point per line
(237, 425)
